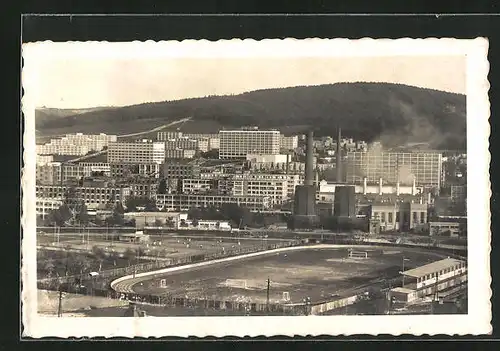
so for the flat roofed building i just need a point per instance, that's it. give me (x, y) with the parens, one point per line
(399, 216)
(91, 195)
(44, 206)
(179, 153)
(183, 202)
(289, 142)
(431, 280)
(394, 167)
(76, 144)
(236, 144)
(182, 168)
(141, 152)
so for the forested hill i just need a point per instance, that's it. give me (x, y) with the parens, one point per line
(392, 113)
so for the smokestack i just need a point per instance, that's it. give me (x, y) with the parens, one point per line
(365, 186)
(309, 176)
(380, 183)
(397, 188)
(338, 159)
(287, 165)
(414, 187)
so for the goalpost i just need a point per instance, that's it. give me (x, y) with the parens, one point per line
(237, 283)
(357, 254)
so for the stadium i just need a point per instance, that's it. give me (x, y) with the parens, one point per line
(285, 279)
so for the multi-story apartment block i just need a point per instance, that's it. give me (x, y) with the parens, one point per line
(44, 159)
(92, 196)
(289, 142)
(184, 202)
(278, 187)
(236, 144)
(95, 168)
(44, 206)
(393, 167)
(145, 188)
(181, 143)
(118, 170)
(76, 144)
(199, 185)
(141, 152)
(181, 169)
(57, 172)
(179, 153)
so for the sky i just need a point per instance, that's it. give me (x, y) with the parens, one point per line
(88, 82)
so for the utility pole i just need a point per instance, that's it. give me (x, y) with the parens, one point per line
(267, 299)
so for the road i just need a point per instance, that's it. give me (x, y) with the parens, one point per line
(157, 129)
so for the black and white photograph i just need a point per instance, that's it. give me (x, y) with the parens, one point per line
(256, 187)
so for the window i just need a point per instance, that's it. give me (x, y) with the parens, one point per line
(390, 217)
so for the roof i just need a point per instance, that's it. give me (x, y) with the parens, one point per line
(403, 290)
(432, 267)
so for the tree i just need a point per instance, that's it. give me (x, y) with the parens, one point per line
(195, 222)
(50, 267)
(98, 252)
(158, 223)
(55, 217)
(119, 208)
(83, 216)
(162, 187)
(129, 255)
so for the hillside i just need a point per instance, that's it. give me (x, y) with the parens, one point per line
(393, 114)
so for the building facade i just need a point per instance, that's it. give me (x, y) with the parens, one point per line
(142, 152)
(182, 202)
(179, 153)
(181, 169)
(236, 144)
(289, 142)
(92, 196)
(75, 144)
(181, 143)
(399, 216)
(44, 206)
(393, 167)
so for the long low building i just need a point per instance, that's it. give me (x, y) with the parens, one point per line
(431, 280)
(91, 196)
(184, 202)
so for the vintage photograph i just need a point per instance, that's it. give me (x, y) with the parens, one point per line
(253, 179)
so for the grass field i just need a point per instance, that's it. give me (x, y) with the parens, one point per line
(320, 274)
(54, 251)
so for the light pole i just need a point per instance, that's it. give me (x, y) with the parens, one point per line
(403, 271)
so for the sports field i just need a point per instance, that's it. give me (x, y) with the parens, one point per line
(318, 274)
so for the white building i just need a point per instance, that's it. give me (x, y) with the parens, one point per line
(75, 144)
(44, 206)
(141, 152)
(91, 196)
(44, 159)
(179, 153)
(236, 144)
(289, 142)
(184, 202)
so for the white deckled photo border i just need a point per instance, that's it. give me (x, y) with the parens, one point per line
(478, 319)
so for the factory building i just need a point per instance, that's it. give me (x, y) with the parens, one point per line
(345, 202)
(237, 144)
(397, 216)
(304, 206)
(140, 152)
